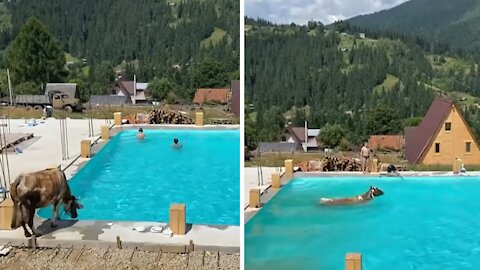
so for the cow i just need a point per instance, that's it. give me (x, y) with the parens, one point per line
(31, 191)
(367, 196)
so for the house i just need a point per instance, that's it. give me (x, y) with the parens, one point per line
(362, 35)
(303, 137)
(70, 89)
(131, 89)
(390, 142)
(235, 102)
(441, 137)
(212, 95)
(108, 100)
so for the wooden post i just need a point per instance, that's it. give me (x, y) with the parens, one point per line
(105, 133)
(119, 243)
(178, 219)
(374, 166)
(6, 214)
(117, 118)
(353, 261)
(85, 149)
(276, 180)
(199, 118)
(289, 168)
(32, 242)
(190, 246)
(254, 198)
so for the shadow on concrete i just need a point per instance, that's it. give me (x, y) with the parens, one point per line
(188, 227)
(46, 227)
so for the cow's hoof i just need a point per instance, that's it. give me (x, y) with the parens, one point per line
(53, 225)
(28, 235)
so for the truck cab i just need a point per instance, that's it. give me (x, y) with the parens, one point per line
(64, 102)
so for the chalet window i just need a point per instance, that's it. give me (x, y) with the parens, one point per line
(468, 147)
(437, 147)
(448, 126)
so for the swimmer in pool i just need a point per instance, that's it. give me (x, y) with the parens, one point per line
(140, 134)
(176, 144)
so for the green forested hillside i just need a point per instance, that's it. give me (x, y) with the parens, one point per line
(149, 38)
(341, 81)
(452, 22)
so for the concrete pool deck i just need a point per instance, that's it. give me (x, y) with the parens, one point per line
(103, 233)
(45, 150)
(267, 193)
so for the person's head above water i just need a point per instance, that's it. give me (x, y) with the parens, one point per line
(175, 141)
(140, 130)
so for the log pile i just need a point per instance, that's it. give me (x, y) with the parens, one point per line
(169, 117)
(331, 164)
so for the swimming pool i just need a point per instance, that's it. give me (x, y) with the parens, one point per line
(131, 180)
(419, 223)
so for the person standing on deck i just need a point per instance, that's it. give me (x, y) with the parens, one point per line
(365, 156)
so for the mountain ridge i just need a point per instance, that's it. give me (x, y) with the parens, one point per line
(452, 22)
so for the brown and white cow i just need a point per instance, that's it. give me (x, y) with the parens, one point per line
(365, 197)
(37, 190)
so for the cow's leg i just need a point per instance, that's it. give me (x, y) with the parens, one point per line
(23, 210)
(31, 215)
(54, 215)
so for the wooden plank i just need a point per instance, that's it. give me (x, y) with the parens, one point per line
(16, 138)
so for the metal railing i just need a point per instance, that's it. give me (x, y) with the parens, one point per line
(64, 138)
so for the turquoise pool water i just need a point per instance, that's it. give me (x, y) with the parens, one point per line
(420, 223)
(131, 180)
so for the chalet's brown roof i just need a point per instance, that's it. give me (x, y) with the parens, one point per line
(393, 142)
(126, 86)
(418, 139)
(219, 95)
(298, 133)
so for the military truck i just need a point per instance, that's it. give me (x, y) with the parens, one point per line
(56, 100)
(58, 95)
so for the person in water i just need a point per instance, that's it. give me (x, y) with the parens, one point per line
(176, 144)
(392, 170)
(140, 134)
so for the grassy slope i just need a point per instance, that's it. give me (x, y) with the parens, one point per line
(387, 85)
(214, 38)
(346, 44)
(71, 59)
(438, 84)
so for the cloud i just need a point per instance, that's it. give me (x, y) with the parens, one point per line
(302, 11)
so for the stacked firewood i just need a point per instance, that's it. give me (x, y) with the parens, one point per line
(331, 164)
(340, 164)
(169, 117)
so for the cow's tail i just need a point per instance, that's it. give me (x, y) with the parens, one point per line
(16, 202)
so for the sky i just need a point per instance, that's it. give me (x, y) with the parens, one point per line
(302, 11)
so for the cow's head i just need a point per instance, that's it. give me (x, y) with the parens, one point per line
(71, 205)
(376, 191)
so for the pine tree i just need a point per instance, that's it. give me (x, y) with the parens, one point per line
(35, 55)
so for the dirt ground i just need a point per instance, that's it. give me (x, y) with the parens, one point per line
(110, 258)
(107, 112)
(278, 159)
